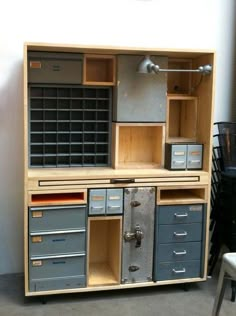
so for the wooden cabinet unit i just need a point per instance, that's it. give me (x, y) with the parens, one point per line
(117, 167)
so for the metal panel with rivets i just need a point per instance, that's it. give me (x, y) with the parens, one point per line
(138, 234)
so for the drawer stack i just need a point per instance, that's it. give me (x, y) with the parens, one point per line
(57, 247)
(179, 241)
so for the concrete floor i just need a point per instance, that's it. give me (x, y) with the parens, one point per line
(153, 301)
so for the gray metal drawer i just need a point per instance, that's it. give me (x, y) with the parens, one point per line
(97, 202)
(60, 266)
(178, 251)
(57, 283)
(55, 68)
(194, 156)
(177, 270)
(114, 204)
(178, 156)
(180, 233)
(57, 218)
(174, 214)
(57, 242)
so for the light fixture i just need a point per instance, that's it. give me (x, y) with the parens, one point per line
(146, 66)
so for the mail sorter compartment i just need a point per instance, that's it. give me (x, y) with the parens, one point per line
(54, 67)
(57, 272)
(180, 233)
(57, 242)
(174, 214)
(105, 201)
(179, 251)
(177, 270)
(57, 217)
(183, 156)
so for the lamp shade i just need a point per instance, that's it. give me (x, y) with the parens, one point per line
(144, 66)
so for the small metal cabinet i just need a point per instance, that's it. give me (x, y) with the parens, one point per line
(44, 67)
(179, 241)
(57, 247)
(183, 156)
(105, 201)
(136, 91)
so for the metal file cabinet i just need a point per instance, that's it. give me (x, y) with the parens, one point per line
(183, 156)
(57, 247)
(105, 201)
(179, 241)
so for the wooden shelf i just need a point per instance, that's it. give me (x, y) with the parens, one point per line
(99, 70)
(185, 195)
(41, 199)
(181, 125)
(104, 253)
(138, 145)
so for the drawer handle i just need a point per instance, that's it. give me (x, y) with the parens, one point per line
(180, 162)
(181, 215)
(113, 181)
(194, 161)
(97, 207)
(179, 271)
(180, 253)
(180, 234)
(114, 207)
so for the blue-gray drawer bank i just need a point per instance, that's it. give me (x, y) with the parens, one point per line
(179, 241)
(57, 247)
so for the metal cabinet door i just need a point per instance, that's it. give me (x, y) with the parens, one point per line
(194, 156)
(138, 234)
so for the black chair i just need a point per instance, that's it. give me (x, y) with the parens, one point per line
(223, 194)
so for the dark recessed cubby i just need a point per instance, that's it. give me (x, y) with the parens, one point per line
(69, 125)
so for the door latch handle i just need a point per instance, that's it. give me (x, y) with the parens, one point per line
(133, 268)
(135, 203)
(138, 235)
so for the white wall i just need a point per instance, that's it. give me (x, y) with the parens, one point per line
(204, 24)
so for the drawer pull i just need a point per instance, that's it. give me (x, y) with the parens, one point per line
(180, 234)
(113, 181)
(194, 161)
(180, 162)
(179, 271)
(181, 215)
(97, 207)
(114, 207)
(180, 253)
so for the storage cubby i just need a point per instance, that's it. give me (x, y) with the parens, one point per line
(104, 254)
(99, 70)
(138, 145)
(181, 125)
(178, 195)
(179, 82)
(52, 198)
(69, 126)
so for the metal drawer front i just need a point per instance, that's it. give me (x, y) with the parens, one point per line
(194, 157)
(178, 270)
(58, 217)
(180, 233)
(55, 68)
(57, 243)
(174, 214)
(178, 156)
(57, 283)
(114, 203)
(97, 202)
(138, 234)
(179, 251)
(49, 267)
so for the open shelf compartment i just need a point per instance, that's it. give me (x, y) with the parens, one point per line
(104, 255)
(99, 70)
(56, 198)
(181, 195)
(179, 82)
(138, 145)
(182, 118)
